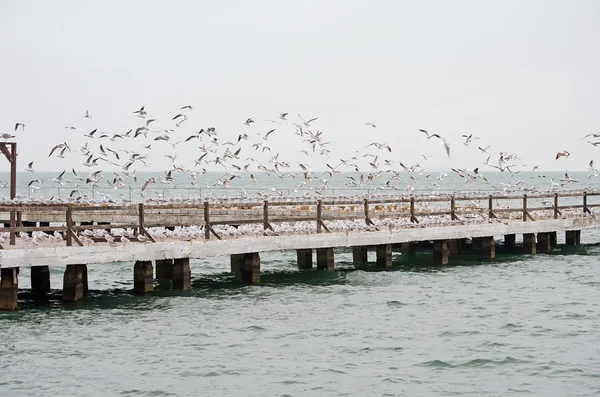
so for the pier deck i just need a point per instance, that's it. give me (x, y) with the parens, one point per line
(168, 235)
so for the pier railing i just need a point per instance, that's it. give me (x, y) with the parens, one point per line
(72, 220)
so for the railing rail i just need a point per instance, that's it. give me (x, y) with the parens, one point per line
(207, 214)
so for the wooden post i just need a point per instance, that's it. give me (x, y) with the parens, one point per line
(9, 288)
(453, 216)
(305, 258)
(69, 233)
(319, 215)
(384, 255)
(555, 205)
(413, 218)
(266, 224)
(524, 207)
(585, 207)
(360, 254)
(206, 221)
(491, 214)
(142, 224)
(143, 277)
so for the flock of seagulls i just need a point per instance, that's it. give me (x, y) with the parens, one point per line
(246, 155)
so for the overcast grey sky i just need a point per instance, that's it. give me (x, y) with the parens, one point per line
(522, 75)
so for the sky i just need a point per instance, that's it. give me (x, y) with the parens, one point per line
(520, 75)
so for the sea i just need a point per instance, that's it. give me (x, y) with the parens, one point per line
(517, 325)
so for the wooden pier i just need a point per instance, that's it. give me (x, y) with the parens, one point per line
(74, 234)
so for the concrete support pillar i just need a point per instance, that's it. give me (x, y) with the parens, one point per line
(407, 248)
(164, 269)
(325, 259)
(543, 243)
(529, 243)
(143, 277)
(455, 246)
(573, 237)
(9, 289)
(440, 252)
(384, 255)
(553, 239)
(182, 275)
(510, 241)
(488, 247)
(73, 283)
(246, 267)
(305, 258)
(40, 280)
(360, 254)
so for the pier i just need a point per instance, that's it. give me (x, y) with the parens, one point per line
(159, 239)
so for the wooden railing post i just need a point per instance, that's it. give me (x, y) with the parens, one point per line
(452, 208)
(206, 221)
(413, 218)
(69, 234)
(142, 223)
(524, 207)
(266, 223)
(555, 205)
(585, 207)
(491, 207)
(319, 215)
(13, 225)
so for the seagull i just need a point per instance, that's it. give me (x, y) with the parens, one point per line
(249, 121)
(430, 136)
(6, 136)
(87, 115)
(283, 116)
(371, 124)
(564, 153)
(30, 167)
(20, 125)
(596, 135)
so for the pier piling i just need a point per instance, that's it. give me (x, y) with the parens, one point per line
(164, 269)
(9, 288)
(384, 255)
(182, 275)
(543, 243)
(488, 247)
(40, 280)
(455, 246)
(360, 254)
(143, 277)
(73, 283)
(529, 246)
(407, 248)
(573, 237)
(305, 258)
(440, 252)
(510, 241)
(325, 259)
(246, 267)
